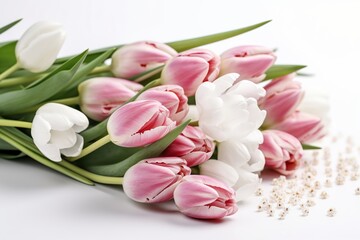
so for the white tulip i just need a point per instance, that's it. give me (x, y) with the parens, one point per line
(316, 102)
(228, 110)
(54, 131)
(39, 46)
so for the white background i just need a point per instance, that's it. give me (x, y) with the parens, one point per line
(36, 203)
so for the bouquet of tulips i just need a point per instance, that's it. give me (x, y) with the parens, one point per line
(165, 121)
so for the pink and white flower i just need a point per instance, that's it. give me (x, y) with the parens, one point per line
(204, 197)
(191, 68)
(139, 123)
(99, 97)
(251, 62)
(154, 180)
(191, 145)
(133, 59)
(283, 152)
(283, 96)
(170, 96)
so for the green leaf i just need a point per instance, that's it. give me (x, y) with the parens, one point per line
(41, 90)
(107, 154)
(182, 45)
(5, 146)
(17, 143)
(153, 150)
(281, 70)
(199, 41)
(10, 25)
(310, 147)
(7, 55)
(86, 69)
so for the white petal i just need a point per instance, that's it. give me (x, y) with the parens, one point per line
(79, 120)
(58, 122)
(224, 82)
(63, 139)
(246, 185)
(76, 149)
(50, 151)
(248, 89)
(220, 171)
(40, 131)
(233, 153)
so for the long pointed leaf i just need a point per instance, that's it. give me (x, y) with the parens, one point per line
(310, 147)
(8, 26)
(281, 70)
(199, 41)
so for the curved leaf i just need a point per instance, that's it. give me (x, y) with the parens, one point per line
(8, 26)
(281, 70)
(41, 90)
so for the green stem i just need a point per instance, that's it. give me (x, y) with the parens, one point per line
(89, 149)
(9, 71)
(9, 82)
(101, 69)
(43, 160)
(15, 123)
(68, 101)
(92, 176)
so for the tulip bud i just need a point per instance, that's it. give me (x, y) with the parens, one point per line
(251, 62)
(204, 197)
(139, 123)
(303, 126)
(133, 59)
(54, 131)
(283, 152)
(191, 145)
(283, 96)
(39, 46)
(170, 96)
(99, 97)
(154, 180)
(190, 68)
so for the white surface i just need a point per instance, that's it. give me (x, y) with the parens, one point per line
(36, 203)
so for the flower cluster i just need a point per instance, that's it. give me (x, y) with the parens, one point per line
(166, 121)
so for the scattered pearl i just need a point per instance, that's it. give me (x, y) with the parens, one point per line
(331, 212)
(324, 195)
(357, 191)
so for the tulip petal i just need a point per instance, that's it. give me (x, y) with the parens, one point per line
(63, 139)
(205, 212)
(76, 149)
(219, 170)
(40, 131)
(50, 151)
(191, 194)
(246, 185)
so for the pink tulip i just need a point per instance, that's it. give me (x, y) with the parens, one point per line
(190, 68)
(251, 62)
(283, 96)
(204, 197)
(139, 123)
(133, 59)
(100, 96)
(172, 97)
(154, 180)
(282, 151)
(191, 145)
(303, 126)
